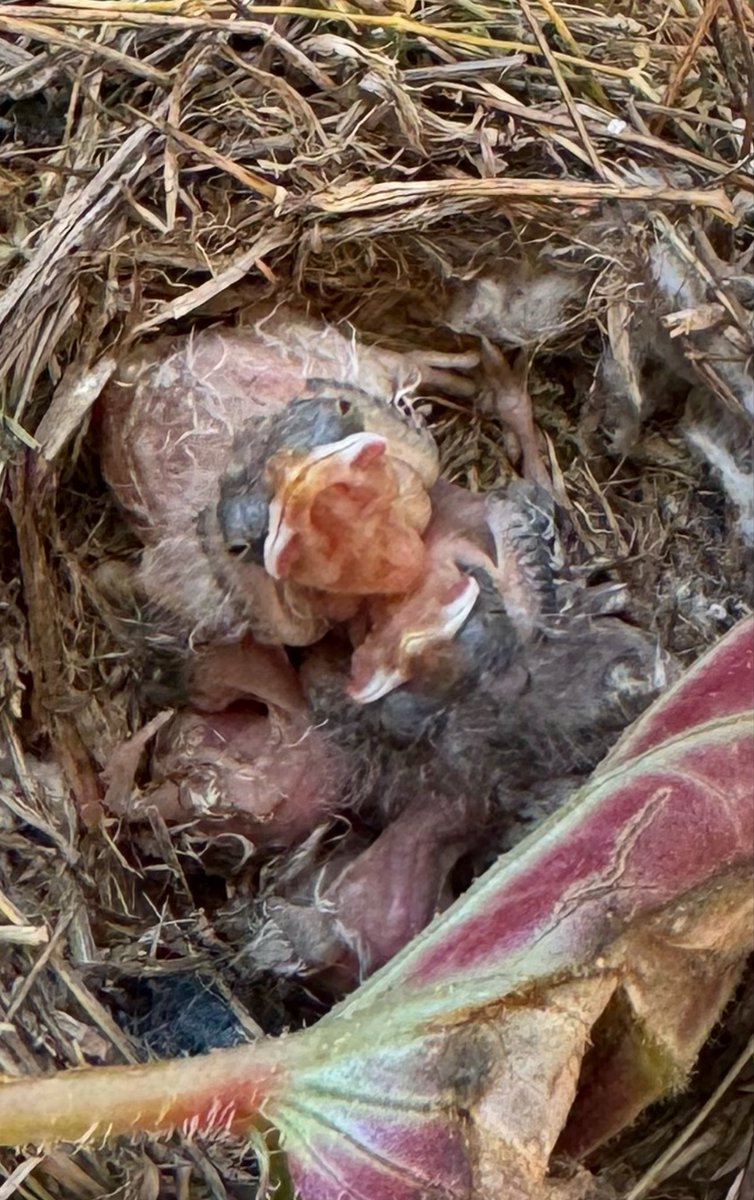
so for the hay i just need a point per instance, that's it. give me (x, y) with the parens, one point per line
(167, 163)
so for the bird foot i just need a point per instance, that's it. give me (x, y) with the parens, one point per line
(447, 373)
(506, 395)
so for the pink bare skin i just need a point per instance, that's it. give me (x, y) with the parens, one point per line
(170, 428)
(350, 916)
(276, 778)
(272, 778)
(221, 675)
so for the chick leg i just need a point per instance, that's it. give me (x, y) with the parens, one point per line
(507, 395)
(450, 373)
(404, 372)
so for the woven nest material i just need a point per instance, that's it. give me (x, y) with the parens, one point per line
(573, 182)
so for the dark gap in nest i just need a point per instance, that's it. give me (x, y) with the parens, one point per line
(279, 1004)
(175, 1014)
(37, 120)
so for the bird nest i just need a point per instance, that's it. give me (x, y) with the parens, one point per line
(573, 183)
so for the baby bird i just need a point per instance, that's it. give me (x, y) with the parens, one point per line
(270, 503)
(502, 538)
(450, 768)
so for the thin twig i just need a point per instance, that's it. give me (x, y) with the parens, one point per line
(576, 117)
(675, 84)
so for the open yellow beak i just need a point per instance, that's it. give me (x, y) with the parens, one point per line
(346, 517)
(432, 615)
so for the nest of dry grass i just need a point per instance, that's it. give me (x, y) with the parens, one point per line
(164, 164)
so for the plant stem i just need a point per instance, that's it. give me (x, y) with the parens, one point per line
(223, 1091)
